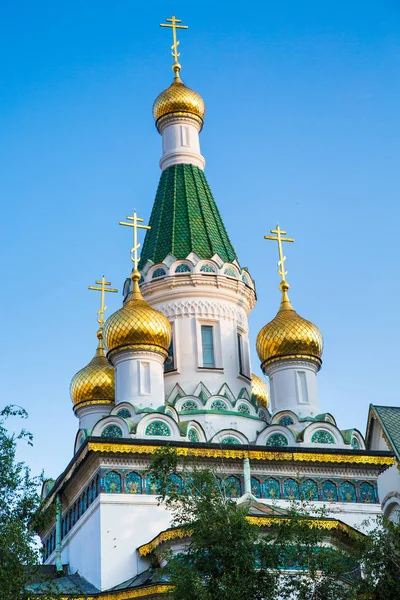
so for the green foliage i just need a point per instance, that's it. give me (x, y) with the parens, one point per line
(19, 503)
(228, 558)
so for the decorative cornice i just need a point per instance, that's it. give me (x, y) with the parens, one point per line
(92, 403)
(182, 532)
(265, 455)
(143, 592)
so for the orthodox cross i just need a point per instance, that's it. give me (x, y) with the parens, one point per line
(278, 238)
(173, 24)
(135, 225)
(103, 289)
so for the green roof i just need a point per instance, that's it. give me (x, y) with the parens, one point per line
(389, 419)
(185, 219)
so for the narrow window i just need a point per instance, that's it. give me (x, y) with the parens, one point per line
(207, 340)
(145, 378)
(302, 387)
(240, 355)
(169, 364)
(185, 139)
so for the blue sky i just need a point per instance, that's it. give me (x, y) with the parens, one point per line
(302, 127)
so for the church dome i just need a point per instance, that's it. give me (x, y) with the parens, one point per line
(94, 384)
(137, 325)
(180, 100)
(289, 336)
(259, 390)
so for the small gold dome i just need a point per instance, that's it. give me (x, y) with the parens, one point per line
(180, 100)
(289, 336)
(137, 325)
(260, 390)
(94, 384)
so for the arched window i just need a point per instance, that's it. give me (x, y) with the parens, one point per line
(183, 269)
(189, 405)
(174, 483)
(112, 431)
(124, 413)
(244, 409)
(286, 420)
(348, 492)
(158, 273)
(153, 486)
(112, 483)
(309, 490)
(158, 428)
(193, 435)
(207, 269)
(230, 272)
(255, 487)
(277, 439)
(322, 437)
(355, 443)
(232, 487)
(218, 405)
(133, 483)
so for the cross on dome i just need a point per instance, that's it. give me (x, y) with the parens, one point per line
(103, 289)
(135, 225)
(173, 23)
(281, 262)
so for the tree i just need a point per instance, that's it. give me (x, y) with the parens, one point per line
(19, 504)
(227, 557)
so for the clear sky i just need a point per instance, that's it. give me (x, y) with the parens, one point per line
(302, 127)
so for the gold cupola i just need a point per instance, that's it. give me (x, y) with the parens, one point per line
(260, 391)
(94, 384)
(178, 99)
(289, 336)
(137, 326)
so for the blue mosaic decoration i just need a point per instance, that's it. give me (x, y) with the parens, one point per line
(112, 483)
(232, 486)
(207, 269)
(218, 405)
(230, 273)
(367, 493)
(182, 269)
(153, 486)
(112, 431)
(157, 428)
(355, 443)
(348, 492)
(193, 435)
(124, 413)
(309, 490)
(329, 492)
(133, 483)
(255, 487)
(158, 273)
(245, 280)
(230, 440)
(276, 439)
(272, 488)
(243, 408)
(322, 437)
(291, 490)
(189, 405)
(174, 483)
(286, 421)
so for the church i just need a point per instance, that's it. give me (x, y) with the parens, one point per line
(172, 365)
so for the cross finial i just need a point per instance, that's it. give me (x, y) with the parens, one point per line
(281, 262)
(173, 23)
(102, 286)
(135, 225)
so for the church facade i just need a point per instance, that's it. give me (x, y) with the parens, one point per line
(172, 365)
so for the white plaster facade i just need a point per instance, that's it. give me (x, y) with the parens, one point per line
(293, 386)
(139, 378)
(180, 142)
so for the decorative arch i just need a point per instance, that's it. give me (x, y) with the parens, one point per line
(255, 487)
(272, 488)
(229, 436)
(309, 490)
(286, 418)
(158, 425)
(264, 436)
(112, 427)
(232, 486)
(322, 432)
(347, 492)
(133, 483)
(112, 483)
(329, 491)
(182, 268)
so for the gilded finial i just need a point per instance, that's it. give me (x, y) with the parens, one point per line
(102, 286)
(173, 23)
(136, 224)
(281, 262)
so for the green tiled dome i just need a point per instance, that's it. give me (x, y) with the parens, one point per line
(185, 219)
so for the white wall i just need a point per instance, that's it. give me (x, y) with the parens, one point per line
(180, 143)
(139, 378)
(293, 386)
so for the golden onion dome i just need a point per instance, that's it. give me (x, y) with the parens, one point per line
(289, 336)
(137, 325)
(179, 100)
(94, 384)
(259, 390)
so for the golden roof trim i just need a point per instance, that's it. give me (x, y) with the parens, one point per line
(240, 454)
(161, 588)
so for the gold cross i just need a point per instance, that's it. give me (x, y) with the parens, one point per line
(102, 283)
(134, 255)
(278, 238)
(173, 24)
